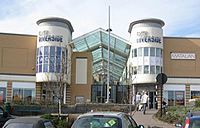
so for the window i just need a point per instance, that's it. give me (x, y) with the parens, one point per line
(49, 59)
(52, 59)
(146, 51)
(195, 94)
(158, 69)
(179, 97)
(41, 59)
(176, 98)
(28, 95)
(58, 59)
(46, 59)
(152, 51)
(171, 98)
(2, 94)
(132, 121)
(134, 70)
(17, 94)
(48, 124)
(98, 122)
(127, 122)
(80, 99)
(23, 95)
(152, 69)
(146, 69)
(19, 125)
(139, 69)
(134, 52)
(140, 52)
(158, 52)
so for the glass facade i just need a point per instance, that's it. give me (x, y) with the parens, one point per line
(96, 42)
(175, 98)
(2, 94)
(119, 93)
(25, 95)
(195, 94)
(50, 59)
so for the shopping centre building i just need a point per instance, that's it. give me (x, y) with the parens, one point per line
(51, 65)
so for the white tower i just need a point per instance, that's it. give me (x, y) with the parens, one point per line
(146, 56)
(52, 49)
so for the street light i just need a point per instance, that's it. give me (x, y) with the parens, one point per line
(108, 74)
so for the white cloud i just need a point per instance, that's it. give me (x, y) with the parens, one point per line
(88, 15)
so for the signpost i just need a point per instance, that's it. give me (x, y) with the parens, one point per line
(161, 79)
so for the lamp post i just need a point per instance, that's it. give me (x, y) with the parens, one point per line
(108, 66)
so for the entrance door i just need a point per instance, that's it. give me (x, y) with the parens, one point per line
(152, 100)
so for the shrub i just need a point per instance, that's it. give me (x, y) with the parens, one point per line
(58, 123)
(197, 103)
(173, 114)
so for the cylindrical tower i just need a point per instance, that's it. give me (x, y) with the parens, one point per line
(53, 38)
(147, 48)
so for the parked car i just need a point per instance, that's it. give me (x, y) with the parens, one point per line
(4, 116)
(28, 123)
(192, 121)
(105, 120)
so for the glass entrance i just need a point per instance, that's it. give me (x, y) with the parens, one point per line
(152, 100)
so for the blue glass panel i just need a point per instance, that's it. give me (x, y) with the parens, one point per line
(37, 63)
(37, 68)
(81, 45)
(152, 51)
(41, 49)
(58, 59)
(52, 59)
(52, 51)
(58, 52)
(45, 67)
(51, 67)
(40, 59)
(93, 39)
(40, 68)
(158, 52)
(46, 59)
(46, 50)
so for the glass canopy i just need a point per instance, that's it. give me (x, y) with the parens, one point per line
(96, 42)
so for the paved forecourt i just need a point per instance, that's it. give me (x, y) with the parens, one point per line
(149, 121)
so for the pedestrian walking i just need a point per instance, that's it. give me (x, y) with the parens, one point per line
(137, 100)
(144, 101)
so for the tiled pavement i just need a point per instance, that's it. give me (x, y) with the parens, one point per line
(149, 121)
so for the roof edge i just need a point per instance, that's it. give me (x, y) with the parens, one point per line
(153, 20)
(57, 19)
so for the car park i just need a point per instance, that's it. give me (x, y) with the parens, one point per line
(105, 120)
(4, 116)
(28, 122)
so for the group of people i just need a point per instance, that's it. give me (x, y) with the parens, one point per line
(141, 101)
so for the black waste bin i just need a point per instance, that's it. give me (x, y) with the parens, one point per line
(8, 108)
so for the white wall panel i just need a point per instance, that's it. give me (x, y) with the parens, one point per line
(173, 87)
(81, 71)
(3, 84)
(23, 85)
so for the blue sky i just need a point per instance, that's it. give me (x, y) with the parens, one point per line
(181, 17)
